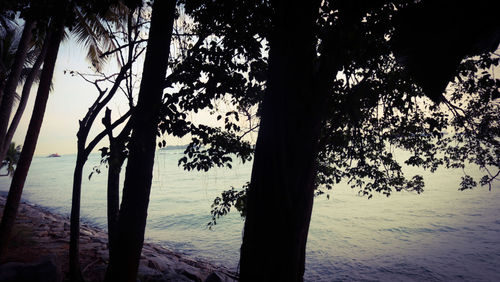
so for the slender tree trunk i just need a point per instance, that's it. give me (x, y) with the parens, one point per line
(82, 155)
(280, 197)
(115, 163)
(117, 156)
(24, 98)
(74, 246)
(81, 158)
(30, 141)
(2, 87)
(138, 176)
(7, 98)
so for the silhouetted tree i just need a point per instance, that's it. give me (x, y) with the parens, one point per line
(142, 145)
(7, 97)
(310, 108)
(32, 76)
(282, 183)
(88, 30)
(29, 145)
(127, 50)
(11, 159)
(83, 151)
(115, 158)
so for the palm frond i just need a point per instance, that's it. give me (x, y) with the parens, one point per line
(89, 34)
(31, 56)
(6, 22)
(11, 158)
(116, 15)
(38, 38)
(93, 30)
(7, 52)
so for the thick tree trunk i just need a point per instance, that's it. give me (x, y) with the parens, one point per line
(281, 191)
(24, 98)
(30, 141)
(7, 97)
(138, 176)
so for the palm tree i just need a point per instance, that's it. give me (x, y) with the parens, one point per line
(7, 36)
(6, 55)
(19, 178)
(7, 98)
(89, 30)
(11, 159)
(54, 40)
(29, 74)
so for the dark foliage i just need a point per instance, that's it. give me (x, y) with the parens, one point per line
(376, 110)
(222, 59)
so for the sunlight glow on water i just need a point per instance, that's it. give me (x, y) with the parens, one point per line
(440, 235)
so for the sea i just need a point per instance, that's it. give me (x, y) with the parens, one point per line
(440, 235)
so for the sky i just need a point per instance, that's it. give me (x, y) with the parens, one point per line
(68, 102)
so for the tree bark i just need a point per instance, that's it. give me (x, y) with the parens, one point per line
(7, 98)
(74, 246)
(30, 141)
(2, 87)
(115, 163)
(24, 98)
(138, 175)
(280, 197)
(117, 156)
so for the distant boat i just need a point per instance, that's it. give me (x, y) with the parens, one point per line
(174, 147)
(55, 155)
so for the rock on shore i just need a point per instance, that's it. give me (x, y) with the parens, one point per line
(40, 234)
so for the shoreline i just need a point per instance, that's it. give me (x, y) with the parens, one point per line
(40, 233)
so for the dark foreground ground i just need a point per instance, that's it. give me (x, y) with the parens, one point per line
(41, 239)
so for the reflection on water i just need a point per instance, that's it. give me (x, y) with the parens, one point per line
(442, 234)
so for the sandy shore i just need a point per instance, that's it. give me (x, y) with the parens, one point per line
(39, 233)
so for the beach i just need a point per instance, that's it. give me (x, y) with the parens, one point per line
(40, 234)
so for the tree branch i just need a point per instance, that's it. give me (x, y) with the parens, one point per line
(121, 47)
(103, 133)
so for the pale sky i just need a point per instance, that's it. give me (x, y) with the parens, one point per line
(68, 102)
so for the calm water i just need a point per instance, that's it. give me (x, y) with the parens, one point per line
(441, 235)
